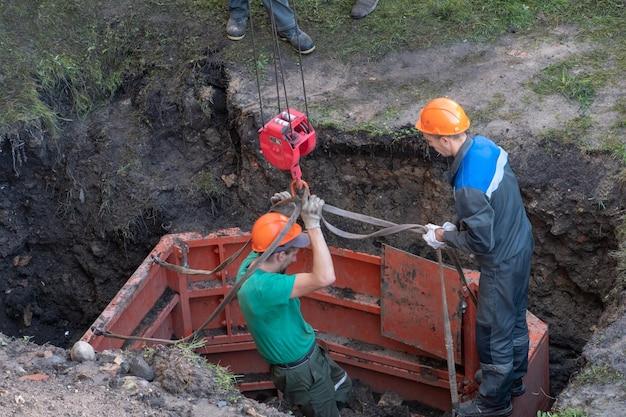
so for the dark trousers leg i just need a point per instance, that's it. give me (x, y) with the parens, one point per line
(315, 387)
(238, 8)
(283, 14)
(520, 332)
(501, 324)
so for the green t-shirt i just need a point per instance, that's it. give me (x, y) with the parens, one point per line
(274, 319)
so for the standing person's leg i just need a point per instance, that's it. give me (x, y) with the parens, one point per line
(495, 322)
(287, 26)
(362, 8)
(237, 22)
(283, 14)
(520, 332)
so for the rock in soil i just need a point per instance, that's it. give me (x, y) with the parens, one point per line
(82, 351)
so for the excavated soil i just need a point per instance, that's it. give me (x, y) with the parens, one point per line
(42, 380)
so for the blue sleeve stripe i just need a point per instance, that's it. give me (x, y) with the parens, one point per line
(499, 174)
(479, 167)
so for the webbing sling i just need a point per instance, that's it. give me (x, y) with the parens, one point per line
(229, 296)
(389, 228)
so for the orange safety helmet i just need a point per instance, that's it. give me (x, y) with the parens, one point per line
(267, 227)
(442, 116)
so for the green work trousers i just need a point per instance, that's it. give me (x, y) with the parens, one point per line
(315, 386)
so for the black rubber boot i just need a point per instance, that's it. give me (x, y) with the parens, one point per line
(481, 408)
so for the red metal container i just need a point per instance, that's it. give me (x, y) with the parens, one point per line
(382, 320)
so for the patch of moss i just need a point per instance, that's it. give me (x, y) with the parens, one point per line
(489, 112)
(620, 253)
(576, 78)
(573, 131)
(204, 183)
(620, 108)
(616, 146)
(568, 412)
(598, 374)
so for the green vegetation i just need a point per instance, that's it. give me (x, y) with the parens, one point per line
(569, 412)
(489, 112)
(188, 349)
(60, 58)
(409, 24)
(573, 131)
(620, 108)
(598, 374)
(56, 60)
(576, 78)
(205, 185)
(615, 146)
(224, 380)
(620, 253)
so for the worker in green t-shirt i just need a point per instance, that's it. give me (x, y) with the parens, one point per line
(301, 370)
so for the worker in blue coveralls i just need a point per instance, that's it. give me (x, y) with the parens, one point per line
(269, 301)
(492, 225)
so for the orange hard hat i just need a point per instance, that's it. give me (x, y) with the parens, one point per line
(267, 227)
(442, 116)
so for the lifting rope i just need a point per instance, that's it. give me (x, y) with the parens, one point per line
(454, 393)
(278, 63)
(388, 228)
(232, 293)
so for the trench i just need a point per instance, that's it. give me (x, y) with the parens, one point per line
(176, 155)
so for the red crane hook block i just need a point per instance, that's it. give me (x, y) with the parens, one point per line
(282, 145)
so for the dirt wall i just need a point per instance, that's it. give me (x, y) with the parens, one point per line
(173, 153)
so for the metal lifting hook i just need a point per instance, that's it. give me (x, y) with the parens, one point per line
(285, 139)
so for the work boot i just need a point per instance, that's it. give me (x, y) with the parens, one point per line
(362, 8)
(236, 28)
(300, 41)
(479, 408)
(518, 389)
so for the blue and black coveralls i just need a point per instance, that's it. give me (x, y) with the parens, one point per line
(494, 227)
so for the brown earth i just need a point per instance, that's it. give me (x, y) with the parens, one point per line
(176, 151)
(42, 380)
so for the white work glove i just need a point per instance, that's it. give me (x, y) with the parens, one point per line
(286, 208)
(312, 212)
(430, 238)
(278, 197)
(449, 227)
